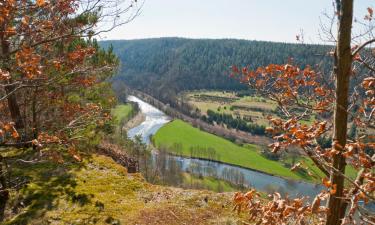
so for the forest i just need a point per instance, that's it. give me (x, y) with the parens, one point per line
(163, 67)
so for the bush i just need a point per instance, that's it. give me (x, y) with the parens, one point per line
(266, 153)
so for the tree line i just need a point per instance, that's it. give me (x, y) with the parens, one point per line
(233, 123)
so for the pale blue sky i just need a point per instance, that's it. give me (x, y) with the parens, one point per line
(272, 20)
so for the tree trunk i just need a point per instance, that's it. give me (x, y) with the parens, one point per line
(16, 117)
(4, 193)
(14, 108)
(12, 99)
(343, 63)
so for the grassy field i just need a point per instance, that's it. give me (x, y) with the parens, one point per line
(229, 103)
(122, 112)
(249, 156)
(255, 107)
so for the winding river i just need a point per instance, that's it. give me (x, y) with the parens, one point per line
(155, 119)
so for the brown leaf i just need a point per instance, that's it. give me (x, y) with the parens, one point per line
(370, 11)
(15, 134)
(269, 129)
(315, 205)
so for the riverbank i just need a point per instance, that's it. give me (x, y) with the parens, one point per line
(121, 113)
(134, 121)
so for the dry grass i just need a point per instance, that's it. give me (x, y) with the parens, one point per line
(99, 191)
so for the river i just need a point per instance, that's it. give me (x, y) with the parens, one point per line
(155, 119)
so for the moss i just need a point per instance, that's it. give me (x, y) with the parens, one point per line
(99, 191)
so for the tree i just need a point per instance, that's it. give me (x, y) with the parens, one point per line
(52, 75)
(301, 92)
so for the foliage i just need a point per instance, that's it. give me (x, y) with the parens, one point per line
(338, 100)
(54, 94)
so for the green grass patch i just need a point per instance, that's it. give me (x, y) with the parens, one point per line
(308, 165)
(209, 183)
(122, 113)
(183, 133)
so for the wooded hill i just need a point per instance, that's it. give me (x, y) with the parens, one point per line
(165, 66)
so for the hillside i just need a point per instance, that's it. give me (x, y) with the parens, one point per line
(165, 66)
(99, 191)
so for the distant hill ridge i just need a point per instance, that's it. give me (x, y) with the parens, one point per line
(163, 67)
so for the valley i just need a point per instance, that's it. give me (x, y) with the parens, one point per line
(183, 141)
(202, 160)
(136, 112)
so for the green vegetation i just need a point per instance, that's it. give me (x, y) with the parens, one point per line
(122, 112)
(209, 183)
(99, 191)
(189, 139)
(249, 156)
(233, 122)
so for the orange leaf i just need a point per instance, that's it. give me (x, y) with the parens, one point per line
(40, 2)
(7, 127)
(15, 134)
(334, 189)
(326, 182)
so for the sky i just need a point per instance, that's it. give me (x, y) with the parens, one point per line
(270, 20)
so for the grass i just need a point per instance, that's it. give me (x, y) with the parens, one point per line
(122, 112)
(203, 104)
(209, 183)
(256, 107)
(99, 191)
(183, 133)
(309, 164)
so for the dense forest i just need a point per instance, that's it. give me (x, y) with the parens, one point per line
(163, 67)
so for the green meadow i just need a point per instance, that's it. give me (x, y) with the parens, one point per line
(122, 112)
(248, 156)
(187, 136)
